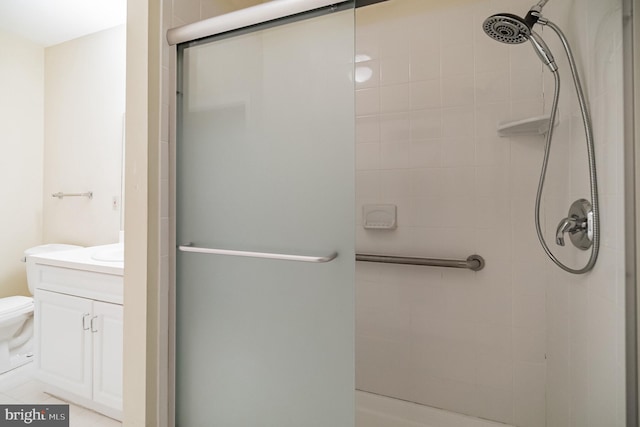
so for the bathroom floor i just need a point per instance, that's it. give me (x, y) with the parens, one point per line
(19, 386)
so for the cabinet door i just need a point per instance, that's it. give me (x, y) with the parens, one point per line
(107, 354)
(63, 341)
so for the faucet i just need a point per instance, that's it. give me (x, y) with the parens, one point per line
(579, 225)
(569, 225)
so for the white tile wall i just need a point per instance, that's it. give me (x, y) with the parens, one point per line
(467, 337)
(585, 327)
(520, 342)
(461, 337)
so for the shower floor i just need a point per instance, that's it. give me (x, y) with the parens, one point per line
(373, 410)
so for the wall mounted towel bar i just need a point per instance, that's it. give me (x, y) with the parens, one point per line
(473, 262)
(61, 195)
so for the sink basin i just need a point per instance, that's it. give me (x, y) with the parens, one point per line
(109, 255)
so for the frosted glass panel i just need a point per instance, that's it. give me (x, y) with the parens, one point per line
(265, 163)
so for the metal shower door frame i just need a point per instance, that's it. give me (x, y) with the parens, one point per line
(631, 67)
(321, 7)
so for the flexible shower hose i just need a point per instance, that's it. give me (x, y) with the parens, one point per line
(586, 119)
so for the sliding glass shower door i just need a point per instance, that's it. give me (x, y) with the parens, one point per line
(265, 198)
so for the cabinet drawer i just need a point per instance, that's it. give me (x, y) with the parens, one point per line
(86, 284)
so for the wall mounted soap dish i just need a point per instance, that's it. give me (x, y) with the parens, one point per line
(380, 217)
(531, 126)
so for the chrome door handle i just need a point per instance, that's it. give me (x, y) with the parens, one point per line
(286, 257)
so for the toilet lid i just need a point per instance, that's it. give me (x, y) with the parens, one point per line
(15, 303)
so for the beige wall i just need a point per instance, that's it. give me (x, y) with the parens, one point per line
(63, 132)
(21, 107)
(144, 42)
(84, 107)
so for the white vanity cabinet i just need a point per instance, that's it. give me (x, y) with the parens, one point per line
(79, 333)
(79, 347)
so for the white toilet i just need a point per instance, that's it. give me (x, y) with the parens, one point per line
(16, 318)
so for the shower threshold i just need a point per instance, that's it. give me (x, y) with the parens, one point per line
(373, 410)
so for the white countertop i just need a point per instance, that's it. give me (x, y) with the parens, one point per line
(85, 259)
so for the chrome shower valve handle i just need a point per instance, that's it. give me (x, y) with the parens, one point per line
(579, 225)
(567, 225)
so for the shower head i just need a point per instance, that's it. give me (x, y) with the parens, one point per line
(507, 28)
(512, 29)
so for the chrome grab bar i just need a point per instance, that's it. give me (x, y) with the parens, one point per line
(473, 262)
(61, 195)
(286, 257)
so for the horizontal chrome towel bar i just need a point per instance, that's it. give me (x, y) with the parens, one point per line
(286, 257)
(473, 262)
(61, 195)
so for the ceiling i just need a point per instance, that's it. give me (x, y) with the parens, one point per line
(49, 22)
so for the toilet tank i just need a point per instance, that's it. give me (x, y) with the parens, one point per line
(39, 250)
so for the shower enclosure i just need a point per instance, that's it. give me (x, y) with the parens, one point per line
(446, 146)
(441, 133)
